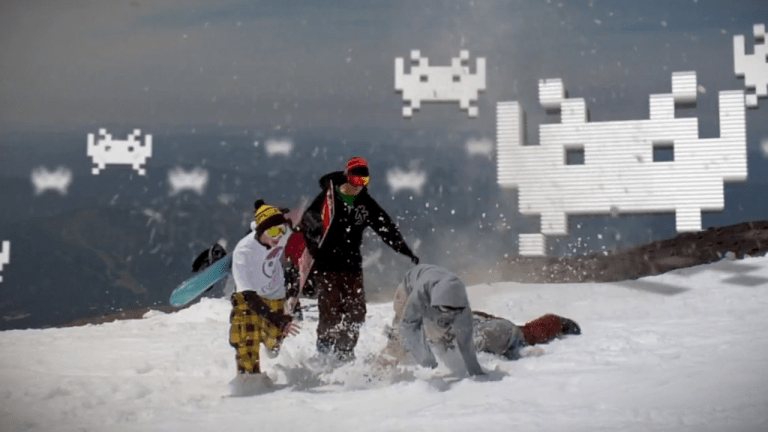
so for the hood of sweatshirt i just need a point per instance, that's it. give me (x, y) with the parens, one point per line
(449, 291)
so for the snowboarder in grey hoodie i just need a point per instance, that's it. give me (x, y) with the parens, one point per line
(437, 317)
(424, 287)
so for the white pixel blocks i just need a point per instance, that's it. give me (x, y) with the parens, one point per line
(451, 83)
(5, 256)
(194, 180)
(57, 180)
(619, 171)
(753, 67)
(551, 93)
(108, 151)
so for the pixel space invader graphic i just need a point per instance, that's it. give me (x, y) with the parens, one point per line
(194, 180)
(108, 151)
(401, 180)
(57, 180)
(427, 83)
(753, 67)
(613, 167)
(5, 256)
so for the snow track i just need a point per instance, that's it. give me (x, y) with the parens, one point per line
(690, 361)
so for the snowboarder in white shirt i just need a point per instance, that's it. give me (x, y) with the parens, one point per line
(258, 315)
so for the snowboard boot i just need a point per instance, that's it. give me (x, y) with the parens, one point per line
(250, 384)
(570, 327)
(343, 357)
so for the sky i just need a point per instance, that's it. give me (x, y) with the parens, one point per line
(266, 69)
(303, 66)
(692, 359)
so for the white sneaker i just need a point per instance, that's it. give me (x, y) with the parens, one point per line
(272, 353)
(246, 384)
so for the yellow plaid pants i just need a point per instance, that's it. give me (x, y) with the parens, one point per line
(249, 330)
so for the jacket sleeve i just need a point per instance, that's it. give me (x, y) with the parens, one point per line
(463, 330)
(278, 319)
(291, 273)
(311, 225)
(412, 332)
(380, 221)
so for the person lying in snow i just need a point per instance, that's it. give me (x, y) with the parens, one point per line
(432, 312)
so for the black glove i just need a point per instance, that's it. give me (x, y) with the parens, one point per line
(415, 260)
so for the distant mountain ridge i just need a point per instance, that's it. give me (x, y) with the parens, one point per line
(119, 241)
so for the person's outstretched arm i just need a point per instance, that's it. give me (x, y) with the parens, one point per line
(412, 332)
(463, 329)
(383, 225)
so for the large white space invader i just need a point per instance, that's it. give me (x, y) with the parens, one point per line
(194, 180)
(108, 151)
(428, 83)
(57, 180)
(5, 256)
(753, 67)
(618, 173)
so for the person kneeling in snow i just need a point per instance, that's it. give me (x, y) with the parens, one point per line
(436, 316)
(432, 310)
(258, 302)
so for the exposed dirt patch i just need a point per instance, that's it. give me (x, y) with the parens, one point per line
(684, 250)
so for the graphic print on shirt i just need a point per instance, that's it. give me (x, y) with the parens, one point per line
(272, 261)
(361, 214)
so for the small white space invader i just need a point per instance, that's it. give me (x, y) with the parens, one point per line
(58, 180)
(413, 180)
(108, 151)
(753, 67)
(194, 180)
(480, 147)
(281, 147)
(5, 256)
(654, 165)
(451, 83)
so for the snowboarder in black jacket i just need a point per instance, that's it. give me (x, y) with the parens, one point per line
(338, 267)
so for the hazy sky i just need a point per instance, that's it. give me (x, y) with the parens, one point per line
(300, 65)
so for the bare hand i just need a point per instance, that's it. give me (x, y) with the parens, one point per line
(291, 329)
(290, 305)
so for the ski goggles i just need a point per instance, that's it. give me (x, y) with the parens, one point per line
(356, 180)
(448, 309)
(276, 231)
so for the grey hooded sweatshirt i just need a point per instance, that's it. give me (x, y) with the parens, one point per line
(423, 324)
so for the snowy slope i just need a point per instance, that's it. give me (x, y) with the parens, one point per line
(685, 351)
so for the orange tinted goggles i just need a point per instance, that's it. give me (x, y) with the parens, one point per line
(356, 180)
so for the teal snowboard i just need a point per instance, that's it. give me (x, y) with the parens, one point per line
(199, 283)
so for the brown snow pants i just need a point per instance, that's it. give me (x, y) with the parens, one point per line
(543, 329)
(341, 309)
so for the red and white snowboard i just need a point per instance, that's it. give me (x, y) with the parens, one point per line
(297, 247)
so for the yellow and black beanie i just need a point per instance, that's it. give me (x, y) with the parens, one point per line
(266, 217)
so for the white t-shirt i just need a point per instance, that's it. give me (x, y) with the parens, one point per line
(256, 268)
